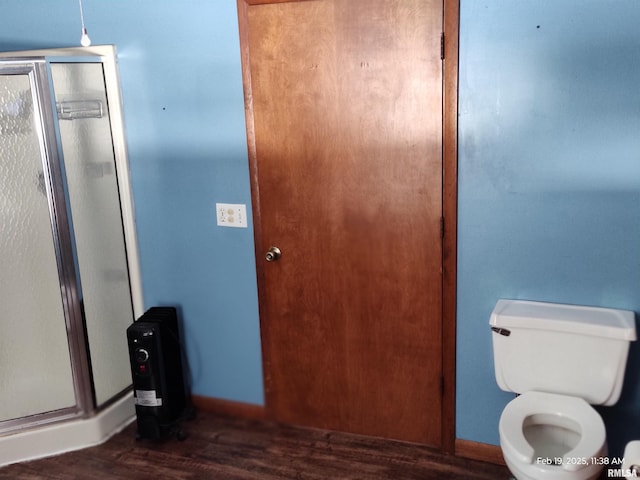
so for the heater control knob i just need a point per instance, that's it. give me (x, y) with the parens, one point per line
(141, 355)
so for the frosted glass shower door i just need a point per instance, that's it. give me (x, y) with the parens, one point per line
(35, 365)
(86, 139)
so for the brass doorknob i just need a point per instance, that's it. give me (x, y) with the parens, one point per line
(273, 254)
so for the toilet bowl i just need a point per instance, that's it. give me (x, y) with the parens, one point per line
(550, 436)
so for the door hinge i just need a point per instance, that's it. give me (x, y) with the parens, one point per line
(442, 46)
(441, 227)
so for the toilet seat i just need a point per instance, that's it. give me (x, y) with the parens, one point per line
(558, 410)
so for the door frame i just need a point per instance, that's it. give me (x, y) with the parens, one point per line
(451, 26)
(451, 22)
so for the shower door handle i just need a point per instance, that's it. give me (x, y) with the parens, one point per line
(273, 254)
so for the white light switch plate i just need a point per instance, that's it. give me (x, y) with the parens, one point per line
(231, 215)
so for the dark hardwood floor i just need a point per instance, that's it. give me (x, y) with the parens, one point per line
(227, 448)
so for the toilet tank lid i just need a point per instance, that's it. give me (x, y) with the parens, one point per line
(596, 321)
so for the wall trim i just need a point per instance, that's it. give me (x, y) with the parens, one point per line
(67, 436)
(479, 451)
(229, 408)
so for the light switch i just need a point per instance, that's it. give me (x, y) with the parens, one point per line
(231, 215)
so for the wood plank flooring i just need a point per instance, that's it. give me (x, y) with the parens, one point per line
(237, 449)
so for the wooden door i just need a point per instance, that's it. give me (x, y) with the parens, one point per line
(344, 117)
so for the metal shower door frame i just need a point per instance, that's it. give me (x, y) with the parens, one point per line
(37, 70)
(37, 65)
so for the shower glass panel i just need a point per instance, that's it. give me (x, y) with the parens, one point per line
(69, 277)
(34, 352)
(88, 152)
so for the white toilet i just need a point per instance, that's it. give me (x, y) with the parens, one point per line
(561, 359)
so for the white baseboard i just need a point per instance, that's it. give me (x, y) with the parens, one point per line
(67, 436)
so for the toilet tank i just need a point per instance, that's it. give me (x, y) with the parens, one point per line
(565, 349)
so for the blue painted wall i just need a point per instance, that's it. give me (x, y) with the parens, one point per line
(549, 173)
(549, 159)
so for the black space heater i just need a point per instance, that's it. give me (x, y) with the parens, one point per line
(159, 387)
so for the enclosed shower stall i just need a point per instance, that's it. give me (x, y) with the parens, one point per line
(69, 281)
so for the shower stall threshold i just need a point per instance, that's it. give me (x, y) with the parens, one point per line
(64, 437)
